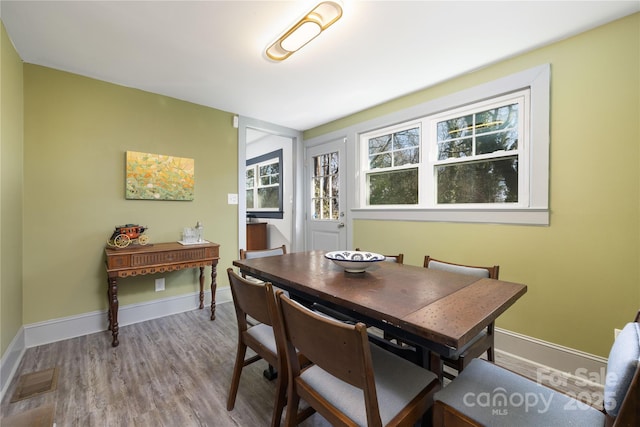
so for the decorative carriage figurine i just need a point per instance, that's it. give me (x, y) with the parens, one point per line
(126, 234)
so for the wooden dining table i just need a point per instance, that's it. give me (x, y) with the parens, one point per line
(435, 310)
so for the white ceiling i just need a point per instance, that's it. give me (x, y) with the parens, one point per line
(212, 52)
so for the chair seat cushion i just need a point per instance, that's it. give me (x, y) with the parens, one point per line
(621, 365)
(497, 397)
(264, 335)
(397, 383)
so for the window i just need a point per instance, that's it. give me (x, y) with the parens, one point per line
(473, 157)
(479, 155)
(325, 182)
(263, 186)
(392, 166)
(475, 153)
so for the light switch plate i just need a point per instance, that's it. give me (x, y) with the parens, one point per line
(232, 199)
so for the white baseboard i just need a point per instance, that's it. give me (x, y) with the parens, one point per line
(10, 361)
(548, 356)
(96, 321)
(565, 361)
(49, 331)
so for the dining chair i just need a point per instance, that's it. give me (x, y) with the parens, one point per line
(485, 394)
(259, 253)
(399, 258)
(254, 299)
(484, 341)
(349, 382)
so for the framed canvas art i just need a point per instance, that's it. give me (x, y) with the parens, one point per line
(159, 177)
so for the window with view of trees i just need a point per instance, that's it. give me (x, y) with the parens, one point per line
(479, 155)
(465, 156)
(392, 177)
(325, 197)
(263, 186)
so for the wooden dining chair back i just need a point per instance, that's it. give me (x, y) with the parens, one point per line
(487, 394)
(256, 300)
(259, 253)
(470, 270)
(399, 258)
(484, 341)
(349, 382)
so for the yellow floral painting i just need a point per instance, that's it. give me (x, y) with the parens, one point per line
(159, 177)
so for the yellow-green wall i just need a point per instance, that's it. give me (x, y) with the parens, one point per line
(11, 147)
(583, 271)
(77, 131)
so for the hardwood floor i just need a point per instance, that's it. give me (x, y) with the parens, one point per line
(172, 371)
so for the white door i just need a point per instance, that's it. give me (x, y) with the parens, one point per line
(325, 220)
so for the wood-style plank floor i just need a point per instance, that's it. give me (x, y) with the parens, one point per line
(172, 371)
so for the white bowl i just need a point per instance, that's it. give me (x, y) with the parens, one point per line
(354, 261)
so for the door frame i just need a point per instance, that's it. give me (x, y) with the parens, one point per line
(297, 232)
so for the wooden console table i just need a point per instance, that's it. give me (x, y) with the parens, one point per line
(158, 258)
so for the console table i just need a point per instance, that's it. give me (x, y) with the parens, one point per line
(158, 258)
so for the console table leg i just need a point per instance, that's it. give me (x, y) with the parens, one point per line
(201, 288)
(113, 309)
(214, 285)
(109, 303)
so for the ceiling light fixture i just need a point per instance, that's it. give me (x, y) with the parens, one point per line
(306, 29)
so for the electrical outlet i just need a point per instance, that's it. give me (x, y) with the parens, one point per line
(616, 332)
(160, 284)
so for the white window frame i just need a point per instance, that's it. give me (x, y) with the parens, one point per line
(534, 212)
(255, 165)
(257, 185)
(364, 159)
(430, 193)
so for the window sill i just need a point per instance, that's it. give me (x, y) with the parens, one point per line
(485, 216)
(265, 214)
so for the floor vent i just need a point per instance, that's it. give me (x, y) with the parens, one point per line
(35, 383)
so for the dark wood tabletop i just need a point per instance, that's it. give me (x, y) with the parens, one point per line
(425, 305)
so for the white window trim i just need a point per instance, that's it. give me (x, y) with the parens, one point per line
(429, 191)
(538, 80)
(257, 185)
(364, 159)
(255, 163)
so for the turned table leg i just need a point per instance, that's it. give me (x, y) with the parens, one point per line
(214, 285)
(113, 309)
(201, 288)
(109, 303)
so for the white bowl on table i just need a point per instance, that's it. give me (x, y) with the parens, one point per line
(354, 261)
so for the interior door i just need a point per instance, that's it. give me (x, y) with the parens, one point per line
(325, 219)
